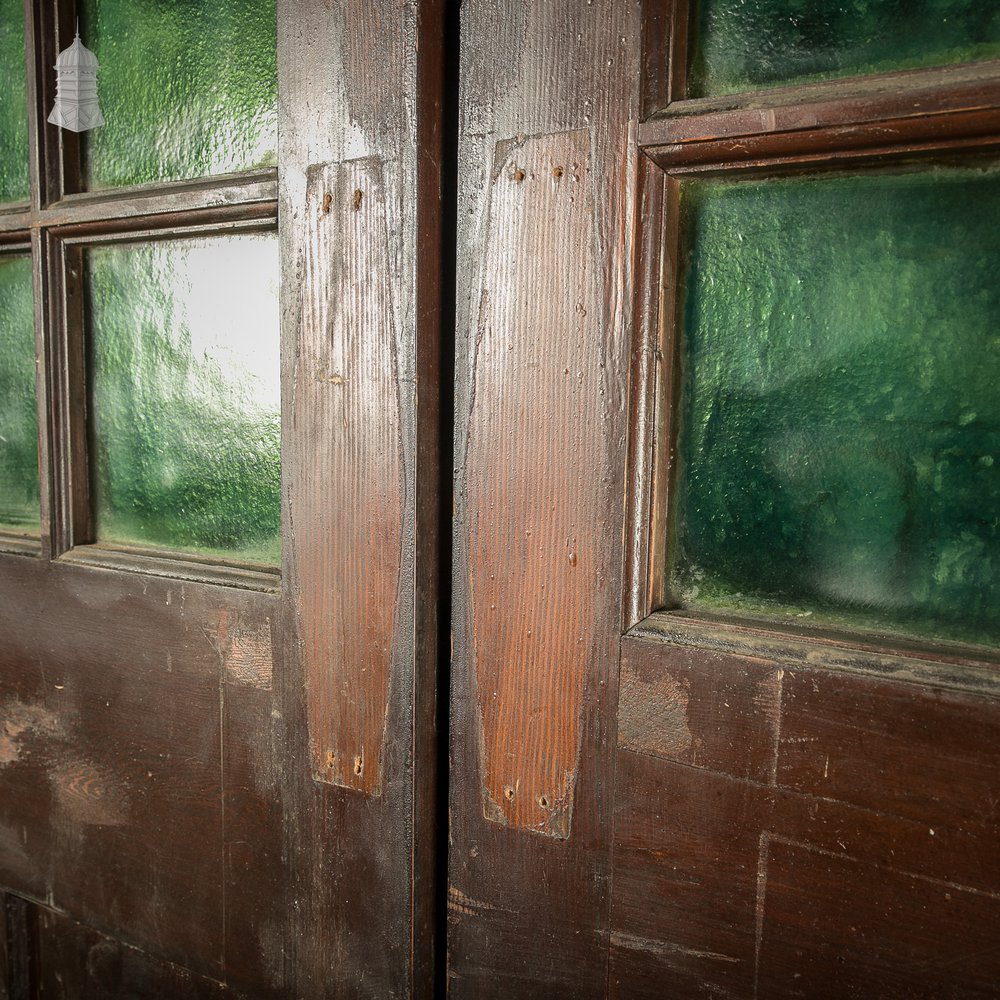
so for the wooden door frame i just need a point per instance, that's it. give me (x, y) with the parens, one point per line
(325, 890)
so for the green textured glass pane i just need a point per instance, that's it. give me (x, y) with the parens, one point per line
(13, 104)
(184, 395)
(840, 412)
(187, 89)
(18, 413)
(754, 44)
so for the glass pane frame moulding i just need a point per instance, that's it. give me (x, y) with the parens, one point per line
(20, 472)
(682, 593)
(188, 460)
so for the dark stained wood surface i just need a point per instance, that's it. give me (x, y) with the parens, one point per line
(111, 781)
(801, 832)
(74, 961)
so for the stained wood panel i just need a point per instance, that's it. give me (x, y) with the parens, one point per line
(71, 960)
(700, 707)
(532, 579)
(360, 324)
(112, 804)
(857, 858)
(833, 927)
(346, 503)
(528, 914)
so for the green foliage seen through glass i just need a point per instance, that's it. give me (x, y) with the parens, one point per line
(754, 44)
(187, 88)
(18, 414)
(13, 104)
(185, 424)
(840, 413)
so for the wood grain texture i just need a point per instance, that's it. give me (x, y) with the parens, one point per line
(529, 914)
(532, 577)
(834, 927)
(856, 858)
(347, 503)
(353, 117)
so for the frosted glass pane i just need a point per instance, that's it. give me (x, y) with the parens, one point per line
(187, 89)
(13, 104)
(753, 44)
(185, 395)
(18, 413)
(840, 413)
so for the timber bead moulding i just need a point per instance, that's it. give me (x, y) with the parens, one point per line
(76, 107)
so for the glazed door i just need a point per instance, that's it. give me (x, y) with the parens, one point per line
(218, 501)
(724, 675)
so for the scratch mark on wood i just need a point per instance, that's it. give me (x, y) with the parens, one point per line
(768, 700)
(762, 856)
(666, 949)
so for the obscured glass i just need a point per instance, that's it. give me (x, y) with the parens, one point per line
(185, 395)
(18, 413)
(13, 104)
(840, 403)
(187, 89)
(753, 44)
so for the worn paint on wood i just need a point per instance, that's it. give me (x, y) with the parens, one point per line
(246, 651)
(346, 504)
(532, 571)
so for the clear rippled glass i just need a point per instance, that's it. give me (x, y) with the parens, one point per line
(185, 429)
(14, 104)
(19, 513)
(188, 89)
(840, 412)
(753, 44)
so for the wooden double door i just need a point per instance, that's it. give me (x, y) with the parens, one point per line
(467, 741)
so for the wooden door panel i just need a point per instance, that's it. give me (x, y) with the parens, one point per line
(861, 862)
(543, 286)
(362, 349)
(118, 804)
(159, 799)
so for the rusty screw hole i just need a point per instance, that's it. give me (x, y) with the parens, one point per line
(543, 801)
(327, 202)
(357, 200)
(558, 172)
(518, 176)
(508, 792)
